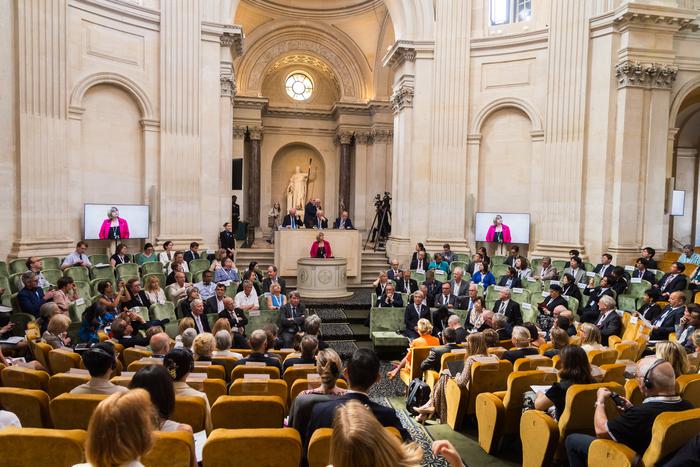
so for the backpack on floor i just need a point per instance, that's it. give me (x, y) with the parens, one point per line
(418, 395)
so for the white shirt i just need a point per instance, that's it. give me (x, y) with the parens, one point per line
(9, 419)
(603, 316)
(198, 322)
(242, 299)
(455, 289)
(503, 306)
(74, 257)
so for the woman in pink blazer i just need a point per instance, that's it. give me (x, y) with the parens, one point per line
(114, 227)
(498, 232)
(321, 248)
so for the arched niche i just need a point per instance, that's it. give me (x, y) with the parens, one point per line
(284, 165)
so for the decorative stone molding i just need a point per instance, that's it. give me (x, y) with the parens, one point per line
(645, 75)
(382, 135)
(402, 98)
(400, 53)
(239, 132)
(255, 132)
(363, 137)
(344, 136)
(232, 40)
(228, 85)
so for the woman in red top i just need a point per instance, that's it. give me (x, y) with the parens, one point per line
(321, 248)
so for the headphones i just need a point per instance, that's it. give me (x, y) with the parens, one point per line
(647, 376)
(104, 354)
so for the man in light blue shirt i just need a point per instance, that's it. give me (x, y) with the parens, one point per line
(689, 255)
(206, 287)
(78, 257)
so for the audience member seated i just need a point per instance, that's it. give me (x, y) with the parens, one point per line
(455, 322)
(226, 274)
(642, 272)
(192, 253)
(434, 358)
(320, 221)
(343, 222)
(507, 307)
(178, 263)
(688, 324)
(513, 253)
(330, 367)
(618, 280)
(473, 265)
(154, 292)
(605, 267)
(390, 299)
(491, 337)
(521, 267)
(120, 430)
(180, 363)
(247, 299)
(237, 321)
(484, 277)
(446, 298)
(447, 254)
(206, 287)
(223, 345)
(417, 249)
(479, 317)
(576, 269)
(591, 312)
(546, 271)
(308, 347)
(177, 290)
(273, 278)
(321, 248)
(405, 284)
(590, 337)
(312, 327)
(670, 317)
(258, 345)
(168, 254)
(148, 255)
(609, 322)
(484, 255)
(633, 426)
(361, 372)
(120, 255)
(138, 296)
(569, 288)
(439, 262)
(215, 303)
(292, 221)
(673, 353)
(559, 339)
(100, 361)
(185, 305)
(420, 263)
(575, 369)
(440, 317)
(434, 287)
(510, 279)
(546, 308)
(35, 265)
(65, 293)
(31, 297)
(415, 312)
(380, 283)
(424, 329)
(94, 319)
(687, 455)
(672, 281)
(521, 341)
(500, 324)
(293, 315)
(437, 405)
(569, 316)
(359, 440)
(253, 269)
(156, 380)
(536, 334)
(160, 344)
(650, 310)
(126, 332)
(203, 347)
(78, 257)
(56, 334)
(689, 256)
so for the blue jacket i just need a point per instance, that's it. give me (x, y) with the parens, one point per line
(31, 300)
(488, 279)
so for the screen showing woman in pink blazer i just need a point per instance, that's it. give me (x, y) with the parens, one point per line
(114, 227)
(498, 232)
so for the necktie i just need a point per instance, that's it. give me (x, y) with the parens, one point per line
(600, 321)
(342, 224)
(294, 224)
(294, 312)
(660, 319)
(80, 255)
(406, 286)
(471, 304)
(668, 280)
(502, 309)
(199, 324)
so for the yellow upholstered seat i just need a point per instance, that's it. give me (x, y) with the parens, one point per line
(227, 363)
(319, 450)
(292, 374)
(242, 370)
(412, 369)
(73, 411)
(670, 432)
(173, 448)
(602, 357)
(27, 378)
(235, 412)
(247, 447)
(62, 361)
(30, 405)
(614, 373)
(543, 438)
(484, 378)
(301, 385)
(61, 383)
(191, 410)
(132, 354)
(212, 371)
(527, 364)
(689, 388)
(138, 364)
(214, 388)
(29, 447)
(41, 353)
(271, 387)
(626, 350)
(632, 392)
(498, 414)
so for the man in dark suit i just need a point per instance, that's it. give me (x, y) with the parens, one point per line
(361, 372)
(320, 222)
(415, 311)
(420, 263)
(687, 326)
(343, 222)
(390, 299)
(445, 298)
(555, 299)
(459, 287)
(394, 274)
(434, 359)
(507, 307)
(500, 324)
(473, 266)
(672, 281)
(609, 322)
(513, 253)
(467, 303)
(258, 343)
(215, 304)
(406, 284)
(310, 213)
(293, 315)
(434, 286)
(648, 254)
(273, 278)
(238, 321)
(31, 297)
(670, 317)
(455, 322)
(641, 271)
(650, 310)
(605, 267)
(292, 221)
(196, 312)
(192, 253)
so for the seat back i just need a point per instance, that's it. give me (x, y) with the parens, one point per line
(30, 405)
(632, 392)
(125, 270)
(234, 412)
(670, 432)
(302, 385)
(152, 267)
(227, 363)
(253, 387)
(532, 363)
(689, 388)
(319, 450)
(263, 446)
(213, 388)
(487, 378)
(62, 361)
(191, 410)
(78, 273)
(198, 265)
(519, 383)
(419, 354)
(602, 357)
(41, 446)
(62, 383)
(578, 416)
(450, 357)
(73, 411)
(27, 378)
(626, 351)
(614, 373)
(132, 354)
(242, 370)
(41, 353)
(212, 371)
(173, 448)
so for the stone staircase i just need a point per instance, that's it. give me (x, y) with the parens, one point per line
(373, 262)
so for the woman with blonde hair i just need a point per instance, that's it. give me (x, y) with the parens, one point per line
(276, 299)
(185, 323)
(425, 339)
(219, 258)
(329, 367)
(359, 440)
(675, 354)
(120, 430)
(437, 404)
(56, 334)
(221, 324)
(590, 337)
(154, 292)
(203, 347)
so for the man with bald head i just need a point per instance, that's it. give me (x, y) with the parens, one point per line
(160, 344)
(633, 426)
(569, 316)
(258, 345)
(670, 317)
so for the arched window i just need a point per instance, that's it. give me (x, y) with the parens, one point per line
(299, 86)
(509, 11)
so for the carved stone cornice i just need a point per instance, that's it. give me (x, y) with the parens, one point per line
(344, 136)
(402, 98)
(645, 75)
(382, 135)
(232, 40)
(647, 15)
(255, 133)
(239, 132)
(228, 85)
(249, 102)
(363, 137)
(400, 53)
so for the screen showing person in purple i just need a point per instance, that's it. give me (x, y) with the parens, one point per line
(114, 227)
(498, 232)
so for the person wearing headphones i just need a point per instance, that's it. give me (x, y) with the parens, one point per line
(101, 362)
(633, 426)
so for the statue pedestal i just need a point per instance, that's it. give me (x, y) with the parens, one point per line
(322, 278)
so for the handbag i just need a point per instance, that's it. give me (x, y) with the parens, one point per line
(418, 395)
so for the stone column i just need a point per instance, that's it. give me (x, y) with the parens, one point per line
(253, 189)
(345, 169)
(359, 203)
(565, 123)
(228, 90)
(180, 122)
(43, 149)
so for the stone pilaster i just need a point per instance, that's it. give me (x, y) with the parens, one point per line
(253, 189)
(361, 200)
(345, 169)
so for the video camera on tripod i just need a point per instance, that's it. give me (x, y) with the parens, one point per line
(382, 220)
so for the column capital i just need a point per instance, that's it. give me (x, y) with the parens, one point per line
(382, 135)
(645, 75)
(400, 53)
(255, 132)
(344, 136)
(239, 132)
(402, 98)
(232, 40)
(363, 137)
(228, 85)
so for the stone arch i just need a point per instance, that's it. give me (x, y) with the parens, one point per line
(277, 38)
(131, 87)
(683, 92)
(498, 104)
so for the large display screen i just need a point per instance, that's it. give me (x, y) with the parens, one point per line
(115, 221)
(514, 228)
